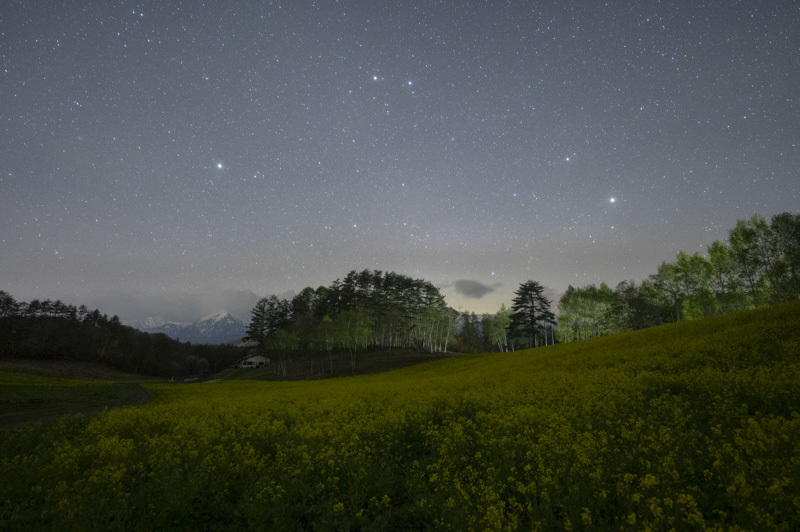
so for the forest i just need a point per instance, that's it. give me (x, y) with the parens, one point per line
(45, 329)
(369, 309)
(758, 266)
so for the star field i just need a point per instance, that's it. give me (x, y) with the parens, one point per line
(170, 147)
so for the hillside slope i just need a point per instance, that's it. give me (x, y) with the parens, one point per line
(690, 425)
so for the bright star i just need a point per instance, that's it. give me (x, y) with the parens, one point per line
(219, 165)
(612, 200)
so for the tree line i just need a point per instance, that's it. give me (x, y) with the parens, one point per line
(45, 329)
(366, 309)
(759, 265)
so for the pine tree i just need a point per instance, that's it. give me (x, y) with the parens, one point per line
(530, 312)
(257, 330)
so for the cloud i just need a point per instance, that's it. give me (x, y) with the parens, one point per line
(176, 306)
(474, 289)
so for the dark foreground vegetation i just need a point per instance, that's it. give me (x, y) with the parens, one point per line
(688, 426)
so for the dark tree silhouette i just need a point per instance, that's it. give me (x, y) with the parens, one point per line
(531, 316)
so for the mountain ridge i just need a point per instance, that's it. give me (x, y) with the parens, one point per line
(220, 327)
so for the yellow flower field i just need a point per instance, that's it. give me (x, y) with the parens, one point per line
(687, 426)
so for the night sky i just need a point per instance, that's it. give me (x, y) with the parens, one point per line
(173, 158)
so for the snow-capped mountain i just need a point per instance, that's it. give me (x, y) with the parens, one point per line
(219, 328)
(223, 326)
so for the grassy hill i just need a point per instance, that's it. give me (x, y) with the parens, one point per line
(691, 425)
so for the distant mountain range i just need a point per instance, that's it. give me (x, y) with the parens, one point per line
(220, 328)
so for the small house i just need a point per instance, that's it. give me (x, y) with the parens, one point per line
(253, 361)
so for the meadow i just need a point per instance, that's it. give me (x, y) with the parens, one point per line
(694, 425)
(41, 390)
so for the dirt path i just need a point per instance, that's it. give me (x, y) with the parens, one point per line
(135, 394)
(131, 394)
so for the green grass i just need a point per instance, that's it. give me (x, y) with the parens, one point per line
(688, 426)
(32, 391)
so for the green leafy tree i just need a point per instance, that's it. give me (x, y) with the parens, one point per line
(748, 245)
(326, 337)
(352, 330)
(693, 273)
(585, 312)
(723, 282)
(283, 343)
(784, 268)
(666, 290)
(496, 328)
